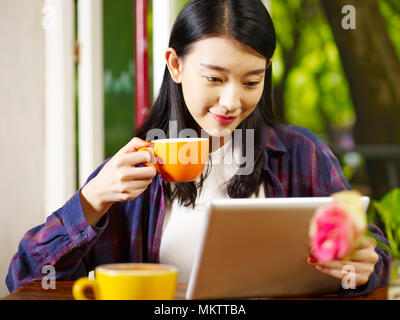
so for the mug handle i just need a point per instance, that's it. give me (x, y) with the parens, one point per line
(148, 164)
(78, 289)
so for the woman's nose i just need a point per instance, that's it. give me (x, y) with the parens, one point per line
(230, 98)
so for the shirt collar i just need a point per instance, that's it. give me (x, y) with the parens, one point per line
(271, 140)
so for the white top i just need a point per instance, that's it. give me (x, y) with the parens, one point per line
(182, 225)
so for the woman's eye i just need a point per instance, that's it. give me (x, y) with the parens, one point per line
(252, 83)
(213, 79)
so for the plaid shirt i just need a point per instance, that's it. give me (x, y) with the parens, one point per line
(296, 164)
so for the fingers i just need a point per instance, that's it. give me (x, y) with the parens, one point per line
(133, 158)
(120, 179)
(340, 268)
(365, 255)
(126, 170)
(130, 186)
(144, 173)
(131, 189)
(332, 272)
(153, 157)
(340, 264)
(365, 242)
(360, 277)
(134, 145)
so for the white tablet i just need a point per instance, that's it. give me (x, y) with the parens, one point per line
(258, 248)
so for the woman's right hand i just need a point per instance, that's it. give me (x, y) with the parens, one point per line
(118, 180)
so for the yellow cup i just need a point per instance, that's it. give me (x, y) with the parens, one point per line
(129, 281)
(181, 159)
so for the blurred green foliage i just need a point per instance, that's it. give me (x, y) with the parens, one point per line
(118, 31)
(390, 10)
(387, 210)
(315, 90)
(315, 85)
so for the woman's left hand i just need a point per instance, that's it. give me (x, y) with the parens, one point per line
(362, 261)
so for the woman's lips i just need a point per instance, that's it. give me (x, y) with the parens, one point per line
(223, 119)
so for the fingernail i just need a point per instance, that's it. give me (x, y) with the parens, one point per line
(149, 157)
(312, 260)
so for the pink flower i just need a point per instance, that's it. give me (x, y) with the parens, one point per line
(336, 227)
(332, 233)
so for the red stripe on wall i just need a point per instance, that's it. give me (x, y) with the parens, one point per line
(141, 62)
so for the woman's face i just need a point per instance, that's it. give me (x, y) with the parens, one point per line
(222, 82)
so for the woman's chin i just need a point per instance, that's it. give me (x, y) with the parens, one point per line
(218, 132)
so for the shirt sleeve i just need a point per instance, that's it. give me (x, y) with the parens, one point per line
(62, 241)
(328, 175)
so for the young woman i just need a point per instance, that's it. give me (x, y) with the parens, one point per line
(217, 79)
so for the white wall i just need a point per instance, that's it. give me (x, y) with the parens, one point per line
(59, 120)
(91, 92)
(21, 125)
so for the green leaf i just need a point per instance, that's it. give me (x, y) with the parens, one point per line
(383, 212)
(388, 209)
(371, 214)
(384, 246)
(391, 202)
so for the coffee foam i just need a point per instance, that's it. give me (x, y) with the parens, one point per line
(135, 268)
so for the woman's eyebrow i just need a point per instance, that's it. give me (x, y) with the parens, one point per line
(218, 68)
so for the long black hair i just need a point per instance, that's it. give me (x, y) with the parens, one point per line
(246, 21)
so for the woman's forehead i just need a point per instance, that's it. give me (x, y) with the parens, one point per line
(224, 52)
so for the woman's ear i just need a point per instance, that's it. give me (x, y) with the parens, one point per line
(174, 65)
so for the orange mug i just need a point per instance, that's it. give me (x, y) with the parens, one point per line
(179, 159)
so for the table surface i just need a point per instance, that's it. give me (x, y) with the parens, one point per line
(63, 291)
